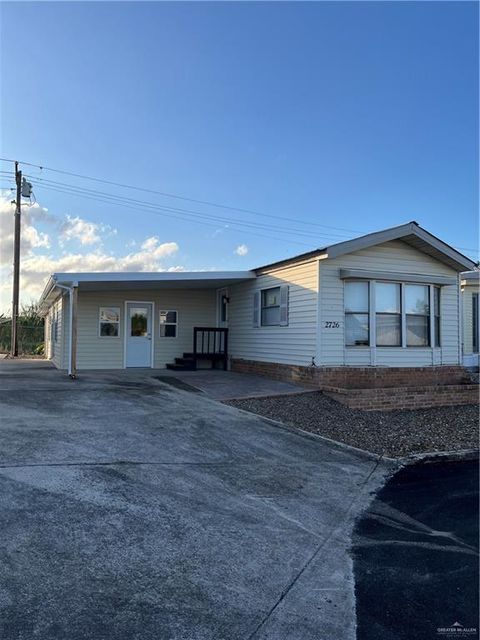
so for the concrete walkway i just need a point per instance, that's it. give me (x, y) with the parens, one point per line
(131, 509)
(227, 385)
(217, 384)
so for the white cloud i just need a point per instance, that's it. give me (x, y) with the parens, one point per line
(241, 250)
(39, 259)
(31, 238)
(85, 232)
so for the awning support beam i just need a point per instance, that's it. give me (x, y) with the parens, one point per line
(72, 339)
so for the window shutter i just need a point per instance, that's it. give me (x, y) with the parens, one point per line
(284, 306)
(256, 309)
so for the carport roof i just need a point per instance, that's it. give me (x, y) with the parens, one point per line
(116, 281)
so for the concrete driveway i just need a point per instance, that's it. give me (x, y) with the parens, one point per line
(133, 510)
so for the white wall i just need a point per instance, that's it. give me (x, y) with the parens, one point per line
(194, 307)
(293, 344)
(394, 257)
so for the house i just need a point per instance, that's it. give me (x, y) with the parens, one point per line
(470, 281)
(386, 304)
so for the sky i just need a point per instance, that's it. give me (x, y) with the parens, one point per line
(313, 122)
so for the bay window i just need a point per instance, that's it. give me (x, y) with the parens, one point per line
(391, 314)
(388, 316)
(357, 314)
(417, 315)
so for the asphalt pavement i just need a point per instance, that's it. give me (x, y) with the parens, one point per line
(416, 556)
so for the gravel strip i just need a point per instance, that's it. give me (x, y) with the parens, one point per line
(391, 433)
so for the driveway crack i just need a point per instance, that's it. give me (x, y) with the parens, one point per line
(314, 555)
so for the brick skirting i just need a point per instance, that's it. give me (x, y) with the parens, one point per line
(376, 388)
(355, 377)
(397, 398)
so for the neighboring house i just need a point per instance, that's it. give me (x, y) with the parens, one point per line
(383, 301)
(471, 330)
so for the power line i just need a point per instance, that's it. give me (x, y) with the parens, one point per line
(180, 197)
(113, 199)
(189, 212)
(155, 212)
(185, 211)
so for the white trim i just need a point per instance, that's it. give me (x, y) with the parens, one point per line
(432, 317)
(372, 329)
(460, 319)
(445, 253)
(125, 324)
(395, 233)
(352, 274)
(167, 324)
(156, 276)
(70, 337)
(110, 306)
(272, 306)
(318, 346)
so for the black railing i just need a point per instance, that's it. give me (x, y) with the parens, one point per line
(210, 343)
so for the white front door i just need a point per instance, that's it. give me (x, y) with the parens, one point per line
(138, 326)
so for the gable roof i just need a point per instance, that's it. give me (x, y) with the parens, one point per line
(411, 233)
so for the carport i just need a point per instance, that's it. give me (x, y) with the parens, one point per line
(134, 320)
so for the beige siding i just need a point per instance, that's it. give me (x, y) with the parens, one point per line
(292, 344)
(57, 347)
(194, 307)
(393, 257)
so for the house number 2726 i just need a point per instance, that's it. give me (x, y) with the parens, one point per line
(329, 324)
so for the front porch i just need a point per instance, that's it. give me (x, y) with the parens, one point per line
(123, 321)
(209, 345)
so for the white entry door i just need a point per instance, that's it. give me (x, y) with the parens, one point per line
(139, 334)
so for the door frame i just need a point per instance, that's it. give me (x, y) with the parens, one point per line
(126, 329)
(219, 292)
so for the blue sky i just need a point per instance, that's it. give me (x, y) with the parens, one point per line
(355, 115)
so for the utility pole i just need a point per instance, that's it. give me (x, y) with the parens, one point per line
(16, 262)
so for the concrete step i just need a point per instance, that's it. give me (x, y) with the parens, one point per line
(184, 360)
(180, 367)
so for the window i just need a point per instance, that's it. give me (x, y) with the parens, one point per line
(271, 306)
(139, 321)
(109, 322)
(356, 314)
(168, 324)
(475, 322)
(406, 314)
(417, 310)
(436, 315)
(388, 314)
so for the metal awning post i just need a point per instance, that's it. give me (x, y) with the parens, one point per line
(73, 331)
